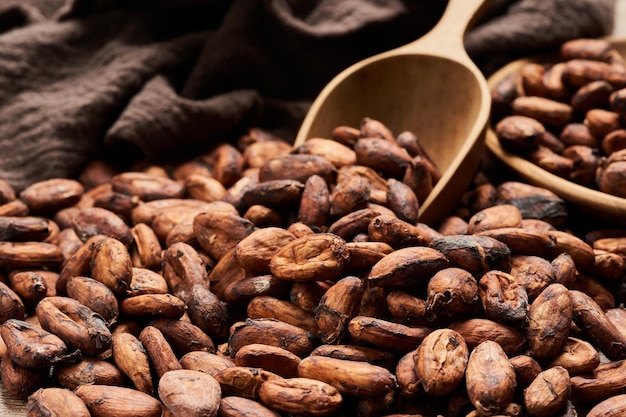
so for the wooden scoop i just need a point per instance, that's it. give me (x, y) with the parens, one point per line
(430, 87)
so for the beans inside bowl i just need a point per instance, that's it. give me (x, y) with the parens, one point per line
(560, 122)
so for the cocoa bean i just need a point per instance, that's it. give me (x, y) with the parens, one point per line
(364, 255)
(478, 330)
(264, 306)
(355, 378)
(526, 369)
(188, 392)
(502, 297)
(440, 361)
(548, 393)
(14, 208)
(347, 135)
(605, 381)
(519, 132)
(353, 223)
(315, 202)
(375, 356)
(30, 286)
(316, 257)
(146, 281)
(243, 381)
(271, 358)
(301, 396)
(146, 243)
(402, 200)
(337, 307)
(419, 177)
(549, 321)
(578, 357)
(76, 324)
(206, 362)
(11, 305)
(407, 266)
(20, 382)
(584, 48)
(88, 371)
(183, 336)
(611, 407)
(160, 353)
(378, 190)
(373, 128)
(452, 292)
(226, 271)
(255, 286)
(78, 263)
(107, 400)
(32, 347)
(274, 193)
(386, 334)
(409, 309)
(581, 71)
(47, 196)
(111, 264)
(30, 255)
(382, 155)
(553, 82)
(25, 228)
(307, 295)
(337, 153)
(477, 254)
(218, 232)
(399, 233)
(242, 407)
(592, 321)
(132, 359)
(494, 217)
(349, 194)
(95, 295)
(534, 273)
(255, 251)
(521, 241)
(271, 332)
(93, 221)
(490, 378)
(591, 95)
(151, 305)
(532, 76)
(146, 186)
(409, 384)
(297, 168)
(206, 311)
(187, 266)
(55, 402)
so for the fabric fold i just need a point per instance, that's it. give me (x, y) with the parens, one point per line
(158, 120)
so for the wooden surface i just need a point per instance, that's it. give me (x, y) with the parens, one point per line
(11, 407)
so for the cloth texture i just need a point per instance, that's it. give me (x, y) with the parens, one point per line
(165, 79)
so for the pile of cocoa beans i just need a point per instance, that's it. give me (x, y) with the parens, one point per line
(259, 279)
(568, 115)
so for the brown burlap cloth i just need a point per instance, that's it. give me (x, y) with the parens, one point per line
(164, 79)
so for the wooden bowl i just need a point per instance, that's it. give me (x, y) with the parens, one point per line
(430, 87)
(597, 203)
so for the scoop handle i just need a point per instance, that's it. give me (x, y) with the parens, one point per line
(446, 37)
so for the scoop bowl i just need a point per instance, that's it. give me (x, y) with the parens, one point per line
(429, 87)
